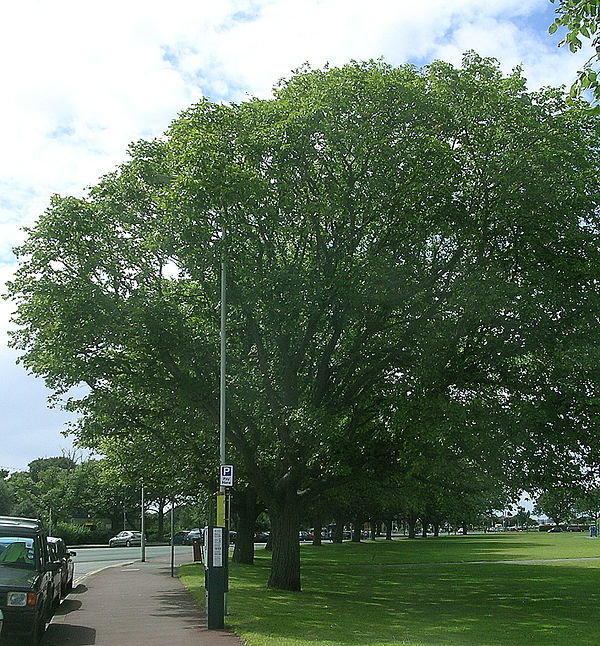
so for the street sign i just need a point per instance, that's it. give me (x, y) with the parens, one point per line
(226, 479)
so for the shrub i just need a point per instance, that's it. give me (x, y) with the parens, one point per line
(79, 534)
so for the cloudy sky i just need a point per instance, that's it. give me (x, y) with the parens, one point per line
(80, 80)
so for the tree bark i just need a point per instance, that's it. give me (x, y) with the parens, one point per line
(245, 511)
(388, 530)
(161, 518)
(356, 531)
(412, 524)
(285, 563)
(338, 533)
(317, 523)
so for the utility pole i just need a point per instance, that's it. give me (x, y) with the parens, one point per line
(173, 535)
(223, 366)
(143, 528)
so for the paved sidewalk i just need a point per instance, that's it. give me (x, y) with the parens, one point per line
(138, 604)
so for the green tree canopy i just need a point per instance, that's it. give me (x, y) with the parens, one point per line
(394, 237)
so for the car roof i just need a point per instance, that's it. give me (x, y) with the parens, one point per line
(14, 522)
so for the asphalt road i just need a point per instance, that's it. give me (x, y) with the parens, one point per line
(93, 559)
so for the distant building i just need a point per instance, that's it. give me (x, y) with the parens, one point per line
(93, 522)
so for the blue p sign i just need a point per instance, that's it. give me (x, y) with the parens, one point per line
(226, 479)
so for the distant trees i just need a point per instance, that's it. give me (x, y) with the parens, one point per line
(6, 496)
(568, 503)
(557, 503)
(56, 489)
(59, 489)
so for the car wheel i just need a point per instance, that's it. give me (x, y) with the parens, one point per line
(55, 602)
(34, 638)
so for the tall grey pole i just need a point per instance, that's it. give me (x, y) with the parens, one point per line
(222, 419)
(143, 528)
(223, 365)
(172, 536)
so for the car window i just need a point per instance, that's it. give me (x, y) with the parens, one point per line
(17, 551)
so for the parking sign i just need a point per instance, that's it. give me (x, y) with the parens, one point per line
(226, 479)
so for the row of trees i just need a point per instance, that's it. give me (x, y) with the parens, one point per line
(412, 288)
(569, 503)
(61, 489)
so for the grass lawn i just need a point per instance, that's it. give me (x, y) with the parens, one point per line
(434, 592)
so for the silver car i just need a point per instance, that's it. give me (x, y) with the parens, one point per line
(128, 539)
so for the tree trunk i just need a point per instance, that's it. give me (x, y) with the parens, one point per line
(338, 533)
(412, 525)
(161, 518)
(245, 511)
(356, 531)
(317, 523)
(388, 530)
(285, 563)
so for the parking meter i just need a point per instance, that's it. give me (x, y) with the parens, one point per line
(215, 559)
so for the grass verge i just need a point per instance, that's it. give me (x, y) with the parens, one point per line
(437, 592)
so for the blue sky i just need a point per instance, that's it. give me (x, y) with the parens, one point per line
(81, 81)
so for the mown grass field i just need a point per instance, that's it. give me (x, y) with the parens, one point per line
(478, 590)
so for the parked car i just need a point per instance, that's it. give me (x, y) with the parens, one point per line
(261, 537)
(553, 530)
(180, 538)
(56, 575)
(26, 575)
(194, 533)
(67, 566)
(128, 539)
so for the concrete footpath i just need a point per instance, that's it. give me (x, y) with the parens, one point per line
(139, 604)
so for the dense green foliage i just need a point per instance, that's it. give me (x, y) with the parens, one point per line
(582, 20)
(412, 259)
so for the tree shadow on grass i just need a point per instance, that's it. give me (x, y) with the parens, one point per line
(463, 605)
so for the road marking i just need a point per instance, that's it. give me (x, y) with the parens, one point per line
(106, 567)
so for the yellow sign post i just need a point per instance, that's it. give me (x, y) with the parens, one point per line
(221, 509)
